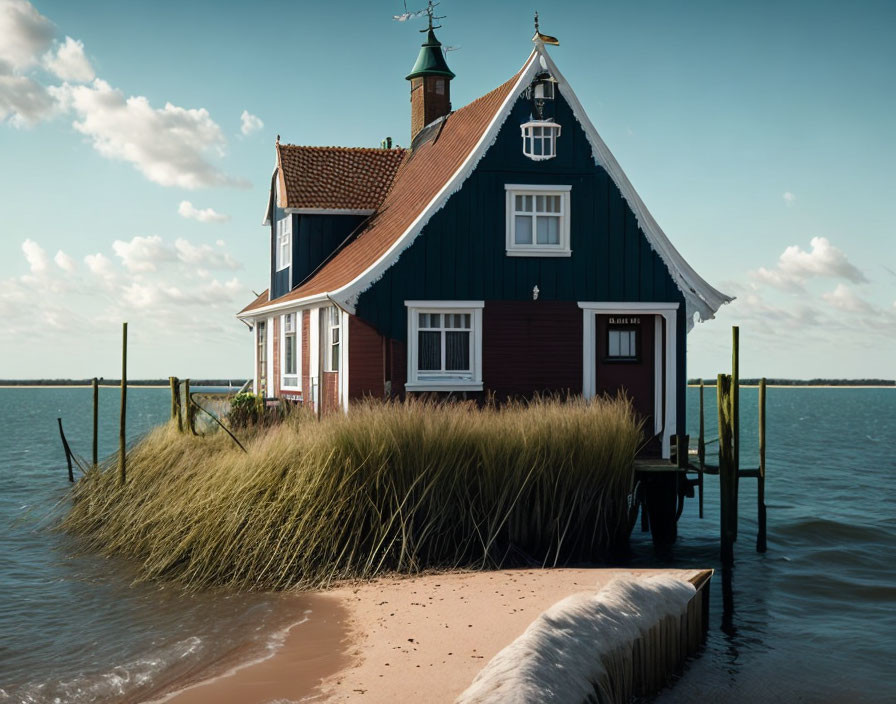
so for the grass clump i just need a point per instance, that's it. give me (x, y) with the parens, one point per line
(387, 487)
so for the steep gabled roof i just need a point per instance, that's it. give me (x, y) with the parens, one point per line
(437, 167)
(335, 178)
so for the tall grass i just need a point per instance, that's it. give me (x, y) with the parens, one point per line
(387, 487)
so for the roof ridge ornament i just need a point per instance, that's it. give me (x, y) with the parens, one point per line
(540, 38)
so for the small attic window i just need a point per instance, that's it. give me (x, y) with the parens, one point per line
(540, 139)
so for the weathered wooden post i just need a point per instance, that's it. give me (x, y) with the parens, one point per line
(735, 405)
(96, 418)
(188, 408)
(701, 451)
(727, 472)
(124, 402)
(760, 495)
(172, 383)
(68, 452)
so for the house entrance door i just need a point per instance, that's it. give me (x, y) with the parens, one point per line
(626, 360)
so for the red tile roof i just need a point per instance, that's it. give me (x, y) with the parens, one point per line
(335, 177)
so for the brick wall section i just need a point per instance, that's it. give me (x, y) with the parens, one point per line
(365, 360)
(275, 362)
(531, 346)
(329, 392)
(306, 356)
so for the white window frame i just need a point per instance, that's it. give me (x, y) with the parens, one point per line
(550, 133)
(283, 244)
(445, 381)
(562, 248)
(333, 338)
(297, 334)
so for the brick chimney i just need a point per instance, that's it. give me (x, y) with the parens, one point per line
(430, 84)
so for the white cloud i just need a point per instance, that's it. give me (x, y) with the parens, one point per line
(167, 145)
(22, 101)
(69, 62)
(796, 266)
(25, 33)
(187, 210)
(844, 298)
(64, 262)
(788, 197)
(250, 123)
(143, 253)
(35, 256)
(205, 255)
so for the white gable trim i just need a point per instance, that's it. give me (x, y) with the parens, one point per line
(700, 297)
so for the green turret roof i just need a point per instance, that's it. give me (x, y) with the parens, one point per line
(430, 60)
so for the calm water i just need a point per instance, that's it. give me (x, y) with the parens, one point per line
(813, 619)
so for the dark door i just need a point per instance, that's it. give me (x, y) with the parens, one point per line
(625, 360)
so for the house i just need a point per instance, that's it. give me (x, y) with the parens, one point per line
(504, 252)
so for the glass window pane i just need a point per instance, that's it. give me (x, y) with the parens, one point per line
(467, 320)
(614, 343)
(539, 204)
(519, 199)
(429, 351)
(528, 204)
(334, 358)
(537, 150)
(522, 233)
(548, 230)
(421, 320)
(457, 351)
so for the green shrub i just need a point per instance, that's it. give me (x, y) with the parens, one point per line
(386, 487)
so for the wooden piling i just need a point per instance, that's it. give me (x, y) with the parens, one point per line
(701, 452)
(172, 383)
(727, 471)
(760, 494)
(122, 444)
(188, 409)
(96, 418)
(68, 452)
(735, 404)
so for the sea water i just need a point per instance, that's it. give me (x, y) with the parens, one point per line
(813, 619)
(78, 628)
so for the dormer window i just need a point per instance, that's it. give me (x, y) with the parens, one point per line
(540, 139)
(283, 249)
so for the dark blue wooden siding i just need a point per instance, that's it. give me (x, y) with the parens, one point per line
(461, 252)
(314, 238)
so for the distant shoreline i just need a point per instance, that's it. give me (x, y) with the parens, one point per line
(115, 383)
(805, 386)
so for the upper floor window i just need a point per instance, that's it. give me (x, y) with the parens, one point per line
(331, 351)
(537, 220)
(540, 139)
(290, 351)
(283, 245)
(444, 345)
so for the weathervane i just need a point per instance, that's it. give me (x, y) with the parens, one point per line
(540, 38)
(430, 12)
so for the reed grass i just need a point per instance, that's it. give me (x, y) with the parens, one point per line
(387, 487)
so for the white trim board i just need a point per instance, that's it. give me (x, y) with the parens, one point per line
(669, 312)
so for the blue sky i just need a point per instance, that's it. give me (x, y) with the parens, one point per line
(136, 147)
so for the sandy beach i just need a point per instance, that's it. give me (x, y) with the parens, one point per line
(402, 639)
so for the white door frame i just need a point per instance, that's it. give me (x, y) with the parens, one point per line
(668, 311)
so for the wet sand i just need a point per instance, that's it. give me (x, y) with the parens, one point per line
(312, 649)
(403, 639)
